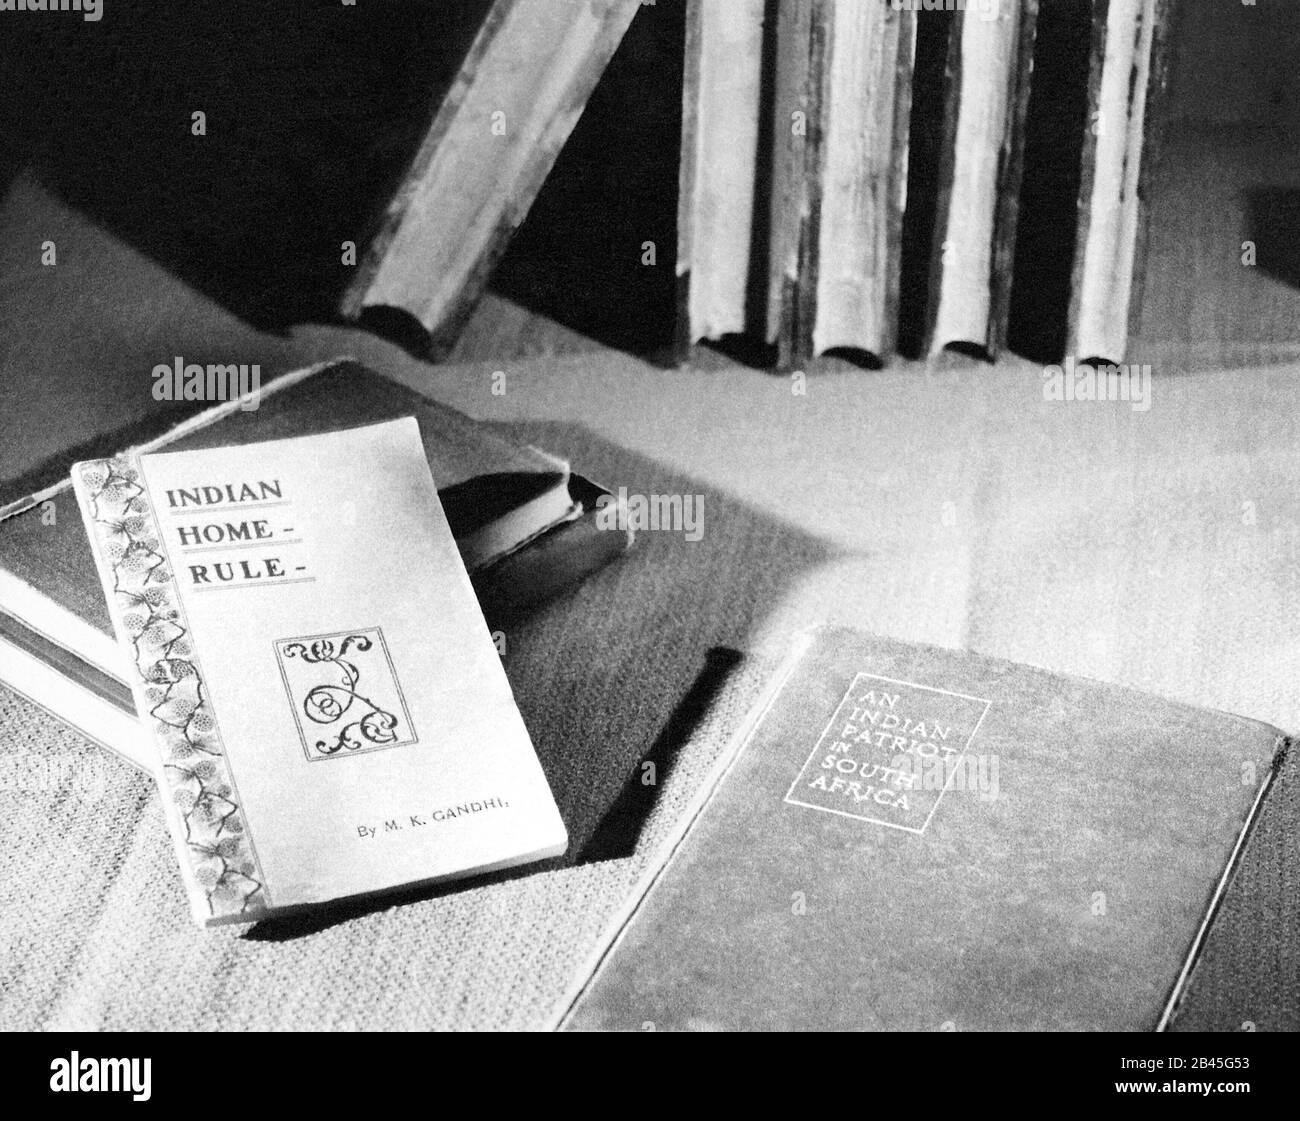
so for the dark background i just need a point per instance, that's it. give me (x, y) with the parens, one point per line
(314, 110)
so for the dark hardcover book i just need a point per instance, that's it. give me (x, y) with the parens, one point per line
(906, 837)
(502, 500)
(556, 560)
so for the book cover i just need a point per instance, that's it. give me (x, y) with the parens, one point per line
(721, 169)
(330, 716)
(906, 837)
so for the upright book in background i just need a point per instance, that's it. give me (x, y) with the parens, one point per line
(845, 294)
(794, 167)
(1127, 87)
(904, 837)
(723, 128)
(330, 715)
(516, 98)
(990, 61)
(798, 57)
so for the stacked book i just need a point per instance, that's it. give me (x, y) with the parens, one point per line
(525, 525)
(798, 192)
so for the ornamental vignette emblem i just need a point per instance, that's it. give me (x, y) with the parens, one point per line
(344, 693)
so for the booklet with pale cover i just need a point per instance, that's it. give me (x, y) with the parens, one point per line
(329, 713)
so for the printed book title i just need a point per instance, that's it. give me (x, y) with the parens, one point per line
(217, 521)
(891, 751)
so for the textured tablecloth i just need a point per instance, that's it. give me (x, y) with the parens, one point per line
(1158, 549)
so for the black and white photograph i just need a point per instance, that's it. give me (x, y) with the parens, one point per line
(650, 516)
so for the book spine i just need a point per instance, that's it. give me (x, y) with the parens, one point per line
(1087, 171)
(1173, 1004)
(1155, 127)
(559, 559)
(790, 125)
(860, 186)
(944, 174)
(354, 300)
(220, 866)
(900, 140)
(1109, 256)
(432, 267)
(723, 159)
(1003, 202)
(1011, 167)
(802, 215)
(684, 334)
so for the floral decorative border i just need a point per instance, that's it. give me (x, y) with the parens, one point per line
(171, 690)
